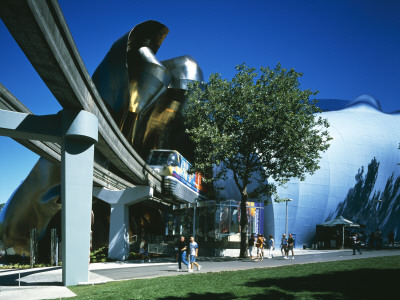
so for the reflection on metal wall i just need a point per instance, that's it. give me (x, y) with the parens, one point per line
(146, 96)
(359, 169)
(146, 99)
(32, 205)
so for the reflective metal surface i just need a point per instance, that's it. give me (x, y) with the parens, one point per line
(164, 127)
(146, 99)
(32, 205)
(359, 169)
(146, 96)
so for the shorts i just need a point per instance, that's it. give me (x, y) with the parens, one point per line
(192, 258)
(289, 248)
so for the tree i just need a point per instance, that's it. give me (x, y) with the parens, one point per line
(258, 126)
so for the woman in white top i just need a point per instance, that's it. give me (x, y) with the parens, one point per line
(271, 246)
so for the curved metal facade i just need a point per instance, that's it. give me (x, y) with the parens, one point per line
(359, 168)
(145, 97)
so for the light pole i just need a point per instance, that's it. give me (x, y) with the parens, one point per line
(286, 227)
(194, 218)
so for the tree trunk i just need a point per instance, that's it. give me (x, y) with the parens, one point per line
(243, 225)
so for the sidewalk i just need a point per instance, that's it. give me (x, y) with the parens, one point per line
(45, 283)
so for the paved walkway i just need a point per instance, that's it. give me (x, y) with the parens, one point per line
(45, 283)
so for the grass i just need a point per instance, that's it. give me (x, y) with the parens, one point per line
(372, 278)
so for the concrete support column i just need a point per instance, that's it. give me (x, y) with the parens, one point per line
(119, 218)
(119, 232)
(77, 152)
(77, 133)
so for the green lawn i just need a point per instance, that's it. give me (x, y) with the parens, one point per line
(373, 278)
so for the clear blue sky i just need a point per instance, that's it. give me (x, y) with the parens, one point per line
(344, 48)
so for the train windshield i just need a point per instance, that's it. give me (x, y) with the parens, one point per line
(159, 158)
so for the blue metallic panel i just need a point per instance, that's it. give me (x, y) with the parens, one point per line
(350, 180)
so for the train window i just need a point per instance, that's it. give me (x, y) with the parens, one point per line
(160, 158)
(172, 160)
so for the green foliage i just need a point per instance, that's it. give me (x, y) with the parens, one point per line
(99, 255)
(23, 266)
(259, 125)
(134, 255)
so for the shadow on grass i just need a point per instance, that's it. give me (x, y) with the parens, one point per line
(358, 284)
(210, 296)
(272, 294)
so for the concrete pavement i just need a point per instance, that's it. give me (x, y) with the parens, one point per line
(45, 283)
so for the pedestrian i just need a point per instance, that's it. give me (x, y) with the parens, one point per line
(260, 247)
(284, 246)
(144, 250)
(252, 241)
(176, 249)
(182, 249)
(356, 244)
(290, 245)
(391, 238)
(378, 236)
(271, 246)
(194, 250)
(371, 241)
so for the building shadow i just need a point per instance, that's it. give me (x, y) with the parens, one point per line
(12, 279)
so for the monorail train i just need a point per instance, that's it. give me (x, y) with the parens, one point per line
(174, 168)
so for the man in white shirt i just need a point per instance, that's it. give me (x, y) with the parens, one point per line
(194, 250)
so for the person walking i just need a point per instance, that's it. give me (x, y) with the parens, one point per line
(194, 250)
(271, 246)
(144, 250)
(378, 236)
(391, 238)
(356, 243)
(290, 245)
(284, 246)
(252, 241)
(260, 247)
(182, 248)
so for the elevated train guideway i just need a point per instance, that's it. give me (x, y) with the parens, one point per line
(41, 32)
(52, 151)
(173, 192)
